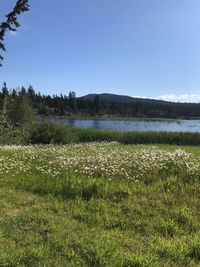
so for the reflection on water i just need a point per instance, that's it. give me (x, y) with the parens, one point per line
(132, 125)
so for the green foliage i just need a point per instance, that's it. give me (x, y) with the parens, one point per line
(11, 22)
(52, 134)
(16, 117)
(14, 135)
(21, 111)
(182, 216)
(48, 133)
(108, 106)
(194, 247)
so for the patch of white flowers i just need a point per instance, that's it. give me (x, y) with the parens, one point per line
(98, 160)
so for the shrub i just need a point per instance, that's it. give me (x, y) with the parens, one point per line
(49, 133)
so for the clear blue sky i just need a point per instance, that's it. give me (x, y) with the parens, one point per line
(132, 47)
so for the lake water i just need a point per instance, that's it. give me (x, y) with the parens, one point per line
(132, 125)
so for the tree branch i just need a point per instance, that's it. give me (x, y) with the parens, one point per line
(11, 22)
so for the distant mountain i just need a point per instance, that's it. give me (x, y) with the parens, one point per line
(110, 97)
(119, 98)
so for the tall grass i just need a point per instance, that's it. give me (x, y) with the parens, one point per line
(51, 215)
(58, 134)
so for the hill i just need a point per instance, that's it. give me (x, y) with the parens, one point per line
(122, 105)
(119, 98)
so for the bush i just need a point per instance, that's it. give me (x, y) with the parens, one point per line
(49, 133)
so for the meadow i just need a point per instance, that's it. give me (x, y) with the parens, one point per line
(99, 204)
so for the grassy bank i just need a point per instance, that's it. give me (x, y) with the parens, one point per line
(59, 134)
(99, 205)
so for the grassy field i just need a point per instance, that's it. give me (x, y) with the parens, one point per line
(100, 204)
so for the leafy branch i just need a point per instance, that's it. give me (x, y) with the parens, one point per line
(11, 23)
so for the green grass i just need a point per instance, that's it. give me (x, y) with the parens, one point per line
(66, 218)
(191, 149)
(49, 133)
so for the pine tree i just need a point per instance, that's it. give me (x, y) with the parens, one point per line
(11, 22)
(21, 111)
(97, 103)
(4, 114)
(72, 101)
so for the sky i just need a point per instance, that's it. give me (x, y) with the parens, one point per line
(131, 47)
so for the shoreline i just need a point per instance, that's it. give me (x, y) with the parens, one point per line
(114, 118)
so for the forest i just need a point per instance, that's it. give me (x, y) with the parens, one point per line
(21, 103)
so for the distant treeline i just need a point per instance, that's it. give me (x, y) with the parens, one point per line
(70, 105)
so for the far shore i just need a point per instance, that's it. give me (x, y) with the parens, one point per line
(110, 117)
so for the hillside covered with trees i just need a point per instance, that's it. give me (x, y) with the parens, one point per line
(22, 102)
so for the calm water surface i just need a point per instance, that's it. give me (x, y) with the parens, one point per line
(132, 125)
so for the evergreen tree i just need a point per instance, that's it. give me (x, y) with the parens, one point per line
(21, 109)
(4, 114)
(72, 101)
(97, 103)
(5, 91)
(11, 22)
